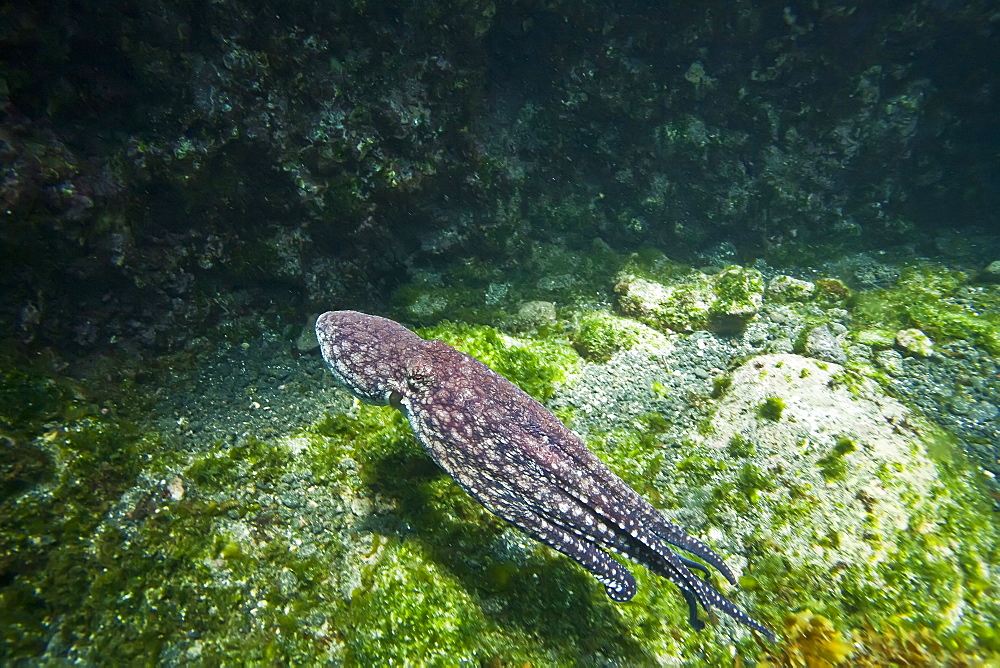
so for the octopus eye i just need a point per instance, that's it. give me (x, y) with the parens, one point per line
(419, 382)
(419, 375)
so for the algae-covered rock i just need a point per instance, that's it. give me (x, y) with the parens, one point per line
(535, 314)
(850, 488)
(599, 334)
(915, 342)
(891, 361)
(739, 294)
(991, 273)
(879, 339)
(724, 302)
(939, 301)
(831, 291)
(788, 289)
(682, 306)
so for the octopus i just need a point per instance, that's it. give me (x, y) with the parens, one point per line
(519, 460)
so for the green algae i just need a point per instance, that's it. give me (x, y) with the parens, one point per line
(417, 607)
(771, 408)
(223, 467)
(446, 624)
(720, 384)
(66, 461)
(740, 447)
(174, 584)
(943, 303)
(537, 366)
(635, 456)
(367, 436)
(833, 466)
(599, 334)
(444, 581)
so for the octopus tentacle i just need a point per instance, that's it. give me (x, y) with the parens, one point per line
(674, 535)
(617, 580)
(638, 506)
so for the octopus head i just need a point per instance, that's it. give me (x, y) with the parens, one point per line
(365, 353)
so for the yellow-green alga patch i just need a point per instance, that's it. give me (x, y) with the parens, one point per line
(600, 334)
(534, 365)
(944, 304)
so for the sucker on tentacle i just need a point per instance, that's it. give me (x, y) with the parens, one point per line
(517, 459)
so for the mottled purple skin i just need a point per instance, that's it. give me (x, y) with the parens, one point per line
(515, 457)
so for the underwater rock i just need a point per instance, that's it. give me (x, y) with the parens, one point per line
(789, 289)
(739, 294)
(891, 361)
(598, 335)
(723, 303)
(915, 342)
(842, 481)
(682, 307)
(991, 274)
(535, 314)
(306, 339)
(823, 345)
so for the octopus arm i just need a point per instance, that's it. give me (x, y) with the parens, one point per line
(678, 569)
(582, 527)
(531, 509)
(627, 509)
(617, 580)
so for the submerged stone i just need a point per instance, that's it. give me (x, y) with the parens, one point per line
(822, 344)
(853, 488)
(915, 342)
(724, 303)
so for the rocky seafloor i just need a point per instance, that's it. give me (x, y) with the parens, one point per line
(231, 501)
